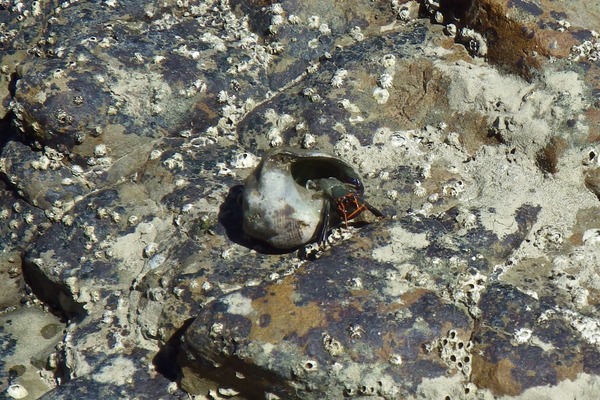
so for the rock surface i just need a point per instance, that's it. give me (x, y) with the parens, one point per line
(128, 128)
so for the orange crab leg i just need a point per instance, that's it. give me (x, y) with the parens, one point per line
(350, 199)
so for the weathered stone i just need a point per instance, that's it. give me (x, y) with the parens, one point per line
(522, 342)
(333, 328)
(139, 121)
(28, 362)
(125, 375)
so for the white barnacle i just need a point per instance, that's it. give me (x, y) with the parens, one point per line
(356, 283)
(41, 164)
(381, 95)
(246, 42)
(155, 154)
(356, 34)
(89, 231)
(432, 5)
(14, 224)
(308, 141)
(563, 25)
(395, 359)
(112, 110)
(186, 133)
(115, 216)
(522, 336)
(475, 42)
(388, 61)
(58, 73)
(244, 160)
(276, 9)
(28, 218)
(404, 14)
(385, 80)
(224, 170)
(17, 391)
(334, 347)
(312, 94)
(294, 19)
(224, 97)
(419, 190)
(450, 30)
(356, 331)
(216, 329)
(313, 43)
(348, 105)
(105, 43)
(101, 213)
(312, 67)
(314, 22)
(132, 220)
(227, 392)
(100, 150)
(324, 29)
(338, 77)
(273, 29)
(197, 86)
(175, 161)
(276, 20)
(64, 118)
(275, 48)
(150, 250)
(108, 317)
(36, 8)
(384, 175)
(274, 136)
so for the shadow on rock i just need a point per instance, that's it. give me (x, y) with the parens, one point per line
(165, 360)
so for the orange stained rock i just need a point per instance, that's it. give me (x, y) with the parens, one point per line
(496, 377)
(284, 316)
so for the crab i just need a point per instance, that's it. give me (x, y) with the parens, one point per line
(347, 200)
(295, 196)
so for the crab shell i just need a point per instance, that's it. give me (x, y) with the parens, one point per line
(278, 207)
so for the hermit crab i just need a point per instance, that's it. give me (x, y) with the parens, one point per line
(295, 196)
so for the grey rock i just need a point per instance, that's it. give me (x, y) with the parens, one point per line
(134, 133)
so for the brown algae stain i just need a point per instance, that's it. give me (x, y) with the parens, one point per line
(285, 318)
(496, 377)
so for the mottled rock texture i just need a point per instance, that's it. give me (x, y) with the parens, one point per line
(127, 131)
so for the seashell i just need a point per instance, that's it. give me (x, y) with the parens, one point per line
(282, 206)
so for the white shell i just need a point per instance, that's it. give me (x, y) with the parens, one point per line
(278, 207)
